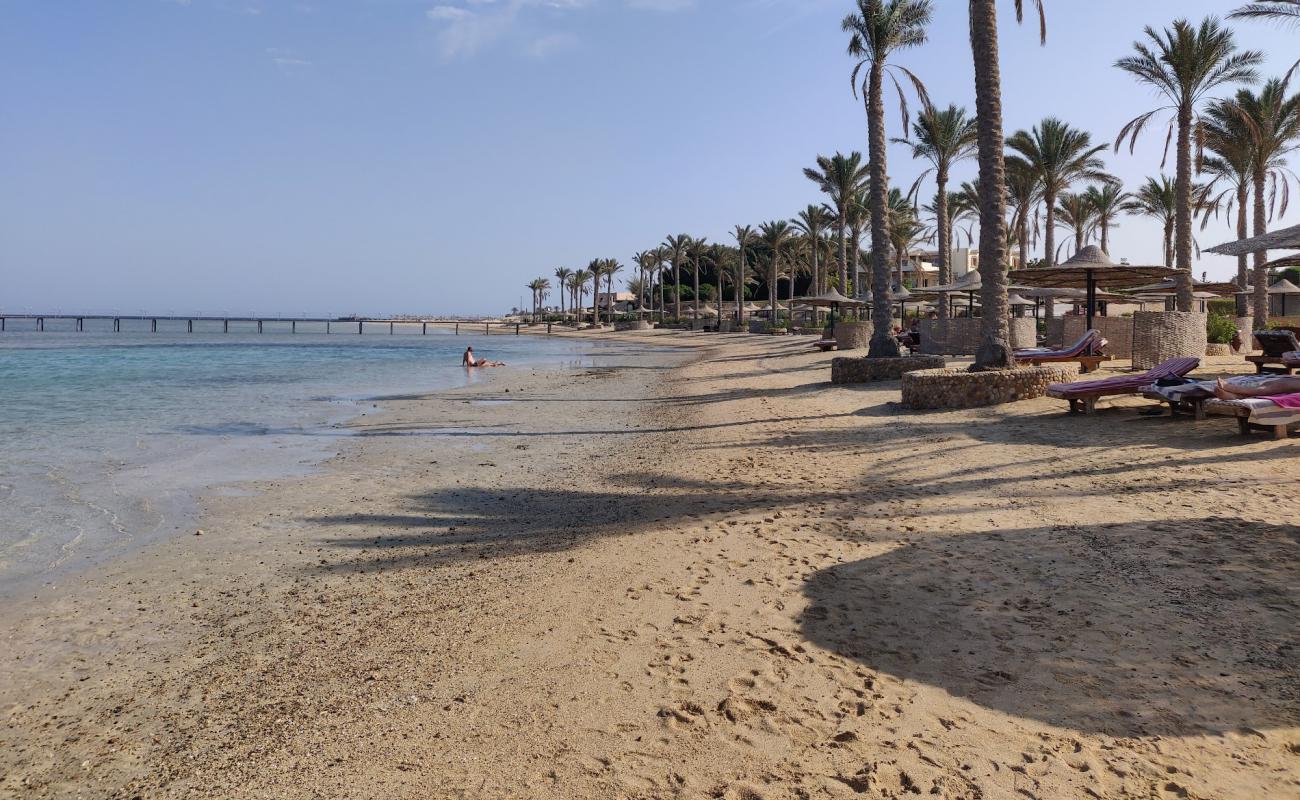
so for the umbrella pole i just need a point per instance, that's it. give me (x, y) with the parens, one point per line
(1092, 298)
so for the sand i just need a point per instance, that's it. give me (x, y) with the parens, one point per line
(709, 574)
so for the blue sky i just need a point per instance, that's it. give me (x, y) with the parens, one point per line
(371, 156)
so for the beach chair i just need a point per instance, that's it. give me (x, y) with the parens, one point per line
(825, 345)
(1255, 414)
(1086, 351)
(1083, 395)
(1276, 345)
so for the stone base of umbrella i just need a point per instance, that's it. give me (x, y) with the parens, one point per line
(960, 388)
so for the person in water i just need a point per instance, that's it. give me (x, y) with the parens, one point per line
(1285, 384)
(468, 360)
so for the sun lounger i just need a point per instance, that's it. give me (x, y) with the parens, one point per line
(1083, 395)
(1256, 413)
(1278, 347)
(1086, 351)
(825, 345)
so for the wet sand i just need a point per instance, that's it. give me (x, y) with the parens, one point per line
(703, 575)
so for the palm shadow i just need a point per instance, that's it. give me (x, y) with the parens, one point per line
(1162, 628)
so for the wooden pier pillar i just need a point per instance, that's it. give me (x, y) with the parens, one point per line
(293, 326)
(424, 329)
(327, 327)
(390, 329)
(458, 329)
(40, 323)
(225, 326)
(259, 326)
(154, 326)
(359, 324)
(2, 324)
(516, 329)
(117, 325)
(189, 326)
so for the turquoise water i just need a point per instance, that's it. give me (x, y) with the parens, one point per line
(109, 438)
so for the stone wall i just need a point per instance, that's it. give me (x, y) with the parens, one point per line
(1118, 332)
(1161, 335)
(853, 335)
(961, 337)
(634, 325)
(1054, 332)
(866, 370)
(959, 388)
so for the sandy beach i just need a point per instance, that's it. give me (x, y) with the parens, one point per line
(701, 573)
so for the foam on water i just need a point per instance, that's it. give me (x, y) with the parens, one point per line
(108, 438)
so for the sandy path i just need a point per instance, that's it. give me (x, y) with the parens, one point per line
(754, 585)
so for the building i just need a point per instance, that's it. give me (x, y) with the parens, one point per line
(622, 302)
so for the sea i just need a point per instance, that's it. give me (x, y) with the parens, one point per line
(110, 438)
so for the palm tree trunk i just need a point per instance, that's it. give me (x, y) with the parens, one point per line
(1261, 258)
(771, 287)
(1183, 216)
(697, 286)
(1243, 262)
(740, 287)
(844, 251)
(945, 236)
(1023, 235)
(609, 291)
(1169, 243)
(994, 351)
(677, 288)
(883, 343)
(595, 299)
(855, 253)
(1049, 234)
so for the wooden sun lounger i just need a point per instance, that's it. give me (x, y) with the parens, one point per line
(826, 345)
(1242, 414)
(1195, 406)
(1083, 395)
(1086, 363)
(1273, 364)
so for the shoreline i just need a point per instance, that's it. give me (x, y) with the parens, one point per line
(709, 573)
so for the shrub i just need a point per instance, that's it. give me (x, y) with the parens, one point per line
(1220, 329)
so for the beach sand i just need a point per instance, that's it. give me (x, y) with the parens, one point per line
(706, 574)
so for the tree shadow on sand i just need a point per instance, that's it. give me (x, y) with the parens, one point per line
(1161, 628)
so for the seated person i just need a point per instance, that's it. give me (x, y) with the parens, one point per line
(1283, 384)
(468, 360)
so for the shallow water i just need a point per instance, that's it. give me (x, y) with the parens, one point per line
(108, 438)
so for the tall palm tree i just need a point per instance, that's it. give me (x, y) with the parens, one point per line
(1059, 156)
(1231, 170)
(776, 236)
(1183, 63)
(720, 256)
(879, 30)
(1284, 11)
(1024, 193)
(943, 137)
(842, 178)
(859, 215)
(812, 222)
(575, 283)
(677, 246)
(561, 281)
(1158, 200)
(661, 258)
(1073, 211)
(745, 240)
(695, 251)
(1107, 202)
(595, 270)
(1272, 120)
(610, 268)
(905, 230)
(539, 288)
(994, 351)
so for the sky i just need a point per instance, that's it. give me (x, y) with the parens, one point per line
(392, 156)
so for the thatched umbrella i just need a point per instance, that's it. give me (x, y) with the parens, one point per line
(1285, 239)
(831, 299)
(1284, 290)
(1089, 269)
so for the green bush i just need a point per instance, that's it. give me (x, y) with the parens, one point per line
(1220, 329)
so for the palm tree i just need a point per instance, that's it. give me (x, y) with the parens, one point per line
(720, 256)
(878, 31)
(776, 236)
(561, 281)
(661, 258)
(1284, 11)
(1183, 63)
(842, 178)
(1272, 121)
(943, 137)
(677, 247)
(1074, 212)
(575, 283)
(1059, 155)
(539, 288)
(812, 222)
(745, 239)
(695, 250)
(1158, 199)
(1107, 202)
(611, 267)
(1024, 192)
(859, 215)
(1228, 137)
(595, 270)
(905, 230)
(994, 351)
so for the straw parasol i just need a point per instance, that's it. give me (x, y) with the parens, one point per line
(1284, 239)
(831, 299)
(1283, 289)
(1089, 269)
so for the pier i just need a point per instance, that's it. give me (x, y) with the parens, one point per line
(152, 323)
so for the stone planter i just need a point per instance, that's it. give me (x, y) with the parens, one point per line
(959, 388)
(1161, 335)
(867, 370)
(635, 325)
(1213, 349)
(853, 335)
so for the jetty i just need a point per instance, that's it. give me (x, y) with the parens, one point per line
(155, 323)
